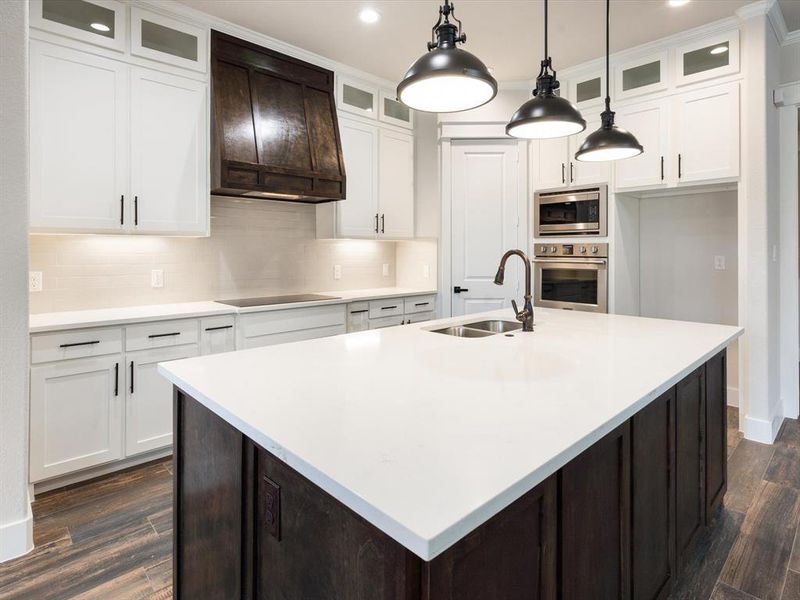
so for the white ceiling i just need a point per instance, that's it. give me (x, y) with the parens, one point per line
(791, 13)
(505, 34)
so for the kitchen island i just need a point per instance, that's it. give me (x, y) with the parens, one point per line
(580, 461)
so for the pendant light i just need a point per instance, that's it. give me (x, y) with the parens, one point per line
(447, 78)
(609, 142)
(546, 115)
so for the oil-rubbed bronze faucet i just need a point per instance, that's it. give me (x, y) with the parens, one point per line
(524, 316)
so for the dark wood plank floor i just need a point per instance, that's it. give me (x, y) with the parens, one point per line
(111, 538)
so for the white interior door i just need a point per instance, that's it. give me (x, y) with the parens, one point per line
(485, 223)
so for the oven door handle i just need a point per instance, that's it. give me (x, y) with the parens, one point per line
(572, 263)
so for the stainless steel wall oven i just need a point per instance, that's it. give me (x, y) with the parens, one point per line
(571, 276)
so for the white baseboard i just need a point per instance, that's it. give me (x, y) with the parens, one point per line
(16, 539)
(761, 430)
(733, 396)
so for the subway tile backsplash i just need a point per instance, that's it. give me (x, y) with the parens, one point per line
(255, 248)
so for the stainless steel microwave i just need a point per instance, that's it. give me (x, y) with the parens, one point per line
(571, 211)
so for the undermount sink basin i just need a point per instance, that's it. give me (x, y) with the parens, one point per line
(461, 331)
(495, 326)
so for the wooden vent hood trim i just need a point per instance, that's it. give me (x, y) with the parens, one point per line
(274, 131)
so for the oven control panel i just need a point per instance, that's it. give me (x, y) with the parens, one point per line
(571, 250)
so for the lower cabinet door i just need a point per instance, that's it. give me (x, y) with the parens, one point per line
(690, 480)
(653, 498)
(148, 409)
(76, 415)
(217, 334)
(716, 433)
(595, 520)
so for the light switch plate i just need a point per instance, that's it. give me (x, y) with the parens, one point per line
(157, 278)
(337, 271)
(35, 281)
(719, 263)
(385, 269)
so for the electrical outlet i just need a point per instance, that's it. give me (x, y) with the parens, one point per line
(35, 281)
(426, 271)
(157, 278)
(385, 269)
(719, 263)
(337, 271)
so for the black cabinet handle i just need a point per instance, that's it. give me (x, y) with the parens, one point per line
(679, 166)
(160, 335)
(563, 176)
(422, 304)
(458, 289)
(388, 307)
(571, 172)
(383, 223)
(122, 209)
(356, 312)
(215, 328)
(662, 168)
(131, 377)
(116, 379)
(376, 222)
(136, 210)
(73, 344)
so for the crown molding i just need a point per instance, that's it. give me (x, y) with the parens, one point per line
(755, 9)
(775, 17)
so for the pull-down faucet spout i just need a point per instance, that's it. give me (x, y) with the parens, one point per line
(525, 316)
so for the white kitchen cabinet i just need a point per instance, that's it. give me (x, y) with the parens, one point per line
(420, 317)
(163, 39)
(357, 97)
(553, 159)
(217, 334)
(396, 184)
(169, 153)
(271, 327)
(357, 316)
(148, 404)
(586, 173)
(707, 134)
(588, 89)
(650, 123)
(394, 112)
(645, 75)
(76, 415)
(357, 215)
(708, 57)
(99, 22)
(383, 322)
(79, 140)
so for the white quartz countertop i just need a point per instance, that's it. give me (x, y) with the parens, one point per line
(427, 436)
(101, 317)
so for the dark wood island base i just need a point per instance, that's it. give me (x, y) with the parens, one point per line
(618, 521)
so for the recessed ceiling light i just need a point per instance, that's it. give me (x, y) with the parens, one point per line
(719, 50)
(678, 2)
(100, 27)
(369, 15)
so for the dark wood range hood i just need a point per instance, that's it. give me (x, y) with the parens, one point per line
(274, 130)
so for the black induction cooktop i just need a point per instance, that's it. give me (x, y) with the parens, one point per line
(269, 300)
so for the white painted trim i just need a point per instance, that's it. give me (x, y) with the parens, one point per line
(755, 9)
(16, 538)
(761, 430)
(473, 130)
(789, 259)
(775, 16)
(787, 94)
(733, 396)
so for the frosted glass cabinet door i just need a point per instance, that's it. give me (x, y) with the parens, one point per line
(357, 214)
(78, 125)
(99, 22)
(167, 40)
(76, 415)
(169, 153)
(396, 185)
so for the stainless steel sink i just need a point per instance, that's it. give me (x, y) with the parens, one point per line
(495, 326)
(461, 331)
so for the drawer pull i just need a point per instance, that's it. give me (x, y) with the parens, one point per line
(160, 335)
(388, 307)
(73, 344)
(422, 304)
(218, 328)
(358, 312)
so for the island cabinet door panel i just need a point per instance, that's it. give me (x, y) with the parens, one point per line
(310, 546)
(653, 499)
(716, 433)
(511, 557)
(209, 489)
(595, 520)
(689, 462)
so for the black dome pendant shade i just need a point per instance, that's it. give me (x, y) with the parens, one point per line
(609, 142)
(546, 115)
(447, 78)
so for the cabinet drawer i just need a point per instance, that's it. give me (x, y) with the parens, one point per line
(386, 322)
(217, 334)
(161, 334)
(291, 319)
(63, 345)
(357, 316)
(420, 317)
(388, 307)
(419, 304)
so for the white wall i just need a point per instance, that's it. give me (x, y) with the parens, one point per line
(15, 515)
(427, 197)
(790, 62)
(499, 110)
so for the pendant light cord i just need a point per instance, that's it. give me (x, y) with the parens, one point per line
(546, 55)
(608, 54)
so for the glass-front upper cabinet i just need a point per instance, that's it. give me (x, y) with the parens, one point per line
(357, 97)
(167, 40)
(395, 112)
(99, 22)
(587, 89)
(643, 76)
(707, 58)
